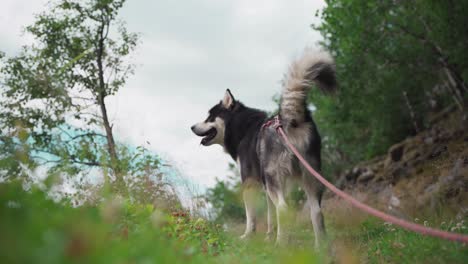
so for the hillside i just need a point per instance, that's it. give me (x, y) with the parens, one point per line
(424, 174)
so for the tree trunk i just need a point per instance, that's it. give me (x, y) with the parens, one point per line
(102, 93)
(411, 112)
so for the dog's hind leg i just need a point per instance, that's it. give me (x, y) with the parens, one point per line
(278, 200)
(314, 190)
(316, 217)
(282, 220)
(270, 217)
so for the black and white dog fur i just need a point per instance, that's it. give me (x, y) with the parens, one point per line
(262, 157)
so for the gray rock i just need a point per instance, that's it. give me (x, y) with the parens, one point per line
(367, 175)
(429, 141)
(437, 151)
(398, 171)
(394, 201)
(396, 152)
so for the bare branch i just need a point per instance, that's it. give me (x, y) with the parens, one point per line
(91, 134)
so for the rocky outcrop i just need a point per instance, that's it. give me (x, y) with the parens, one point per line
(422, 169)
(404, 159)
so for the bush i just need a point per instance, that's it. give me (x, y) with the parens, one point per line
(35, 229)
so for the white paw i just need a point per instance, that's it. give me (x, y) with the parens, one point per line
(246, 236)
(269, 237)
(282, 240)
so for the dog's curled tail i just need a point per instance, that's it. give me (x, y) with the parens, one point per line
(312, 67)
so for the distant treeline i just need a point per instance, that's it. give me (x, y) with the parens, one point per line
(398, 63)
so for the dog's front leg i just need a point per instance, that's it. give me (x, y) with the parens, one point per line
(249, 195)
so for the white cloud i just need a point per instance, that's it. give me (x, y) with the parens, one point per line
(190, 52)
(14, 16)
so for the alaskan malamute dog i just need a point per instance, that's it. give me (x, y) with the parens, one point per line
(262, 156)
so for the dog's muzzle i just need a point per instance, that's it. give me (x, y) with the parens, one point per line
(208, 135)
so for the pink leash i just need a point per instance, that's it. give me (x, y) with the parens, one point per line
(276, 124)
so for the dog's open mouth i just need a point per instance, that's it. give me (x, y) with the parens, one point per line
(208, 136)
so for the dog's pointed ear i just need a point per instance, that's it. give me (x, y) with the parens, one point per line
(228, 100)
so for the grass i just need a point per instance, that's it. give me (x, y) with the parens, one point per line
(378, 242)
(35, 229)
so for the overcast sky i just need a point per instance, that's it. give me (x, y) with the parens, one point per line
(190, 52)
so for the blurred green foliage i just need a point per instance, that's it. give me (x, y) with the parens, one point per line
(226, 200)
(225, 197)
(35, 229)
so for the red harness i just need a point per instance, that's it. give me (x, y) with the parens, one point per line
(275, 122)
